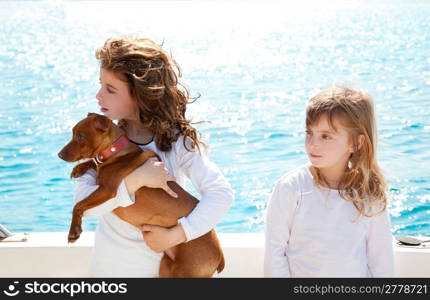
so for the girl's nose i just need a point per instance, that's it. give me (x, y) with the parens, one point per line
(98, 96)
(311, 141)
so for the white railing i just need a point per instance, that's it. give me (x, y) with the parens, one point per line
(47, 254)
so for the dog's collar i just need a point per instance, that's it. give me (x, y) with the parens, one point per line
(110, 151)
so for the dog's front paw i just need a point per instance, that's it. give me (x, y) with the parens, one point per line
(77, 172)
(74, 233)
(80, 169)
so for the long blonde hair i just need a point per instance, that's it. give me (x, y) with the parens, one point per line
(152, 76)
(363, 182)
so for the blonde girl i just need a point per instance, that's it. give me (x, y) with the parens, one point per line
(329, 218)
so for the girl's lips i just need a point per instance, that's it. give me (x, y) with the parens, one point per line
(315, 156)
(104, 109)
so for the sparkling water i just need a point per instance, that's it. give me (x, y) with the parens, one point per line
(255, 65)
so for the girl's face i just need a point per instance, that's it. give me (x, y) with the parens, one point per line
(327, 148)
(114, 97)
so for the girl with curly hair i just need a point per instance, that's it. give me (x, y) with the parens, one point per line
(140, 88)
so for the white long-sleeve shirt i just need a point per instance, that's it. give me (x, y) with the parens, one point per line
(312, 232)
(119, 248)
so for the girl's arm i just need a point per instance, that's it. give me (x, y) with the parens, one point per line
(207, 179)
(277, 234)
(152, 174)
(86, 184)
(380, 253)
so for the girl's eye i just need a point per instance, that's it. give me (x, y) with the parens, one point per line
(326, 137)
(308, 132)
(107, 89)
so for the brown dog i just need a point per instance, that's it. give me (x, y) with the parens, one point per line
(98, 138)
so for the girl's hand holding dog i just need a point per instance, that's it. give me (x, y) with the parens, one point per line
(153, 174)
(160, 239)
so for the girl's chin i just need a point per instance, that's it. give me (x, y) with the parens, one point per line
(317, 164)
(314, 160)
(107, 113)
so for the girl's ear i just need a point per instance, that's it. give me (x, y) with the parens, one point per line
(360, 141)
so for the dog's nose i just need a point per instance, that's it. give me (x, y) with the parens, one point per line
(60, 155)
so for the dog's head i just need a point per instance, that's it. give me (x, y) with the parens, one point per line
(90, 136)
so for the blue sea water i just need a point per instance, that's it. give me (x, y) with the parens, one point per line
(255, 65)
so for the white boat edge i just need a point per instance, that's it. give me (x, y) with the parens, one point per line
(47, 254)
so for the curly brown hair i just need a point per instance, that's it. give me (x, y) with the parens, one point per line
(363, 182)
(152, 77)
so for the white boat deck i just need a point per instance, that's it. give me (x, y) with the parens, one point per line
(47, 254)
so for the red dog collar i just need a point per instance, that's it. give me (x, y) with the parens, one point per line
(114, 148)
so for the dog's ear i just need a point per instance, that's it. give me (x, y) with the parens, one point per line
(103, 123)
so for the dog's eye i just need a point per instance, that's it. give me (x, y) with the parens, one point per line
(80, 138)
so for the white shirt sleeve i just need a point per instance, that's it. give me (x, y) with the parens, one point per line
(86, 184)
(207, 179)
(380, 253)
(277, 231)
